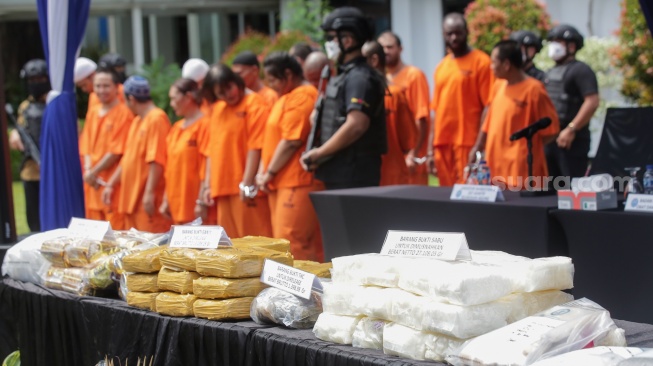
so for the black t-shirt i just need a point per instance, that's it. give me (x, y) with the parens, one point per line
(579, 81)
(363, 90)
(536, 73)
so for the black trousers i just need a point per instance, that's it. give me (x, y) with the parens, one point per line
(32, 205)
(562, 163)
(345, 185)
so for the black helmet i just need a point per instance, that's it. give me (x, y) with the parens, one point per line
(112, 60)
(350, 19)
(32, 68)
(566, 33)
(527, 38)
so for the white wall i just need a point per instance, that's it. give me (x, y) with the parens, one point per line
(419, 25)
(604, 15)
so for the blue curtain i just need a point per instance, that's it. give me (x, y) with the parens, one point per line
(647, 9)
(62, 24)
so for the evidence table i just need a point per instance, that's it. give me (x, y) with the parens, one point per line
(355, 221)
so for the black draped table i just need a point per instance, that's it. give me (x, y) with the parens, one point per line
(56, 328)
(355, 221)
(613, 258)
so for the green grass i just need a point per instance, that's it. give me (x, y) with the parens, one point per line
(19, 209)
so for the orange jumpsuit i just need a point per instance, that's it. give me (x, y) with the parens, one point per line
(401, 132)
(93, 100)
(146, 144)
(416, 88)
(293, 215)
(183, 171)
(512, 108)
(233, 132)
(269, 95)
(462, 90)
(105, 135)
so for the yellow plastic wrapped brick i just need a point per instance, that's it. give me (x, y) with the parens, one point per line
(146, 261)
(180, 282)
(238, 262)
(319, 269)
(53, 250)
(76, 281)
(99, 275)
(142, 300)
(83, 252)
(179, 258)
(53, 278)
(143, 282)
(170, 303)
(280, 245)
(237, 308)
(227, 288)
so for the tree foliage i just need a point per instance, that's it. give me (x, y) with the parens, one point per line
(490, 21)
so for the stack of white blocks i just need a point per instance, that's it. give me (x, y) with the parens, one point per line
(425, 308)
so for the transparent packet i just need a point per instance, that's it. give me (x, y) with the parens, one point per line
(275, 306)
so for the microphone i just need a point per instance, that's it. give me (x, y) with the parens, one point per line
(529, 131)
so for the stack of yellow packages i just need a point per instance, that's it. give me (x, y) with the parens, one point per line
(176, 279)
(79, 265)
(230, 277)
(141, 277)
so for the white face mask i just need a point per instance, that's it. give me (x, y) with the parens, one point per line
(557, 51)
(332, 49)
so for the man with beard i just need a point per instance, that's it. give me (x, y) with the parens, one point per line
(463, 81)
(413, 81)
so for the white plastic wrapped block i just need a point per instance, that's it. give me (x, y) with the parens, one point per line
(369, 333)
(407, 309)
(24, 261)
(527, 304)
(439, 346)
(336, 328)
(558, 330)
(460, 283)
(367, 269)
(355, 300)
(529, 275)
(399, 340)
(597, 356)
(338, 298)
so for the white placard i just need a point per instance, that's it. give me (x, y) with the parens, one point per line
(287, 278)
(89, 229)
(639, 202)
(424, 244)
(198, 237)
(478, 193)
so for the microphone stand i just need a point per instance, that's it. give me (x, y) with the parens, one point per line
(530, 190)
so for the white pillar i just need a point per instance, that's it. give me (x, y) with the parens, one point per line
(137, 37)
(272, 22)
(194, 44)
(419, 25)
(113, 34)
(241, 23)
(154, 37)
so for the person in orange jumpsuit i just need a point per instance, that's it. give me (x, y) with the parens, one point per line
(401, 130)
(416, 88)
(233, 156)
(184, 160)
(142, 165)
(517, 101)
(281, 174)
(246, 65)
(463, 81)
(106, 128)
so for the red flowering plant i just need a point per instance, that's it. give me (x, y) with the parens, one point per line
(490, 21)
(249, 41)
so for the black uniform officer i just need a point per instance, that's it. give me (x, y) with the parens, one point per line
(351, 123)
(115, 62)
(30, 114)
(531, 45)
(573, 89)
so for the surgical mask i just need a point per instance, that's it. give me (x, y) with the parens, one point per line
(557, 51)
(332, 49)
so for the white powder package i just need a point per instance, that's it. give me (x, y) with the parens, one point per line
(336, 328)
(369, 333)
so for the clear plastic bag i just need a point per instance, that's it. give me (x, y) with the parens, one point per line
(24, 261)
(275, 306)
(336, 328)
(558, 330)
(369, 333)
(597, 356)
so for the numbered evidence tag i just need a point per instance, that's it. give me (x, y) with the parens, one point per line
(444, 246)
(89, 229)
(198, 237)
(639, 202)
(469, 192)
(287, 278)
